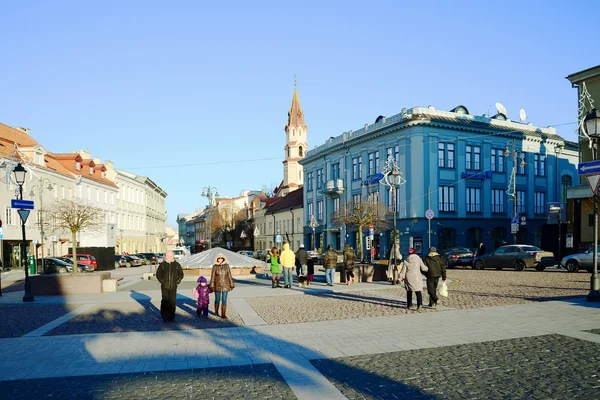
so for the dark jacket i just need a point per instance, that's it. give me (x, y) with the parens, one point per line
(330, 258)
(203, 295)
(220, 277)
(349, 258)
(436, 266)
(169, 274)
(302, 256)
(310, 267)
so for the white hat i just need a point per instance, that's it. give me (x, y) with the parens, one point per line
(301, 246)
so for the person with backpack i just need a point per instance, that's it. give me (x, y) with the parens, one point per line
(436, 268)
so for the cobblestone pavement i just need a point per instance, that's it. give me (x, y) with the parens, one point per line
(142, 316)
(241, 382)
(596, 331)
(19, 320)
(544, 367)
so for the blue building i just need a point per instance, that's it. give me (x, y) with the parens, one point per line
(473, 172)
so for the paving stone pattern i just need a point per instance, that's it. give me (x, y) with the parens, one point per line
(242, 382)
(544, 367)
(19, 320)
(142, 316)
(596, 331)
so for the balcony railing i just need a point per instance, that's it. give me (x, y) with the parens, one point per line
(335, 186)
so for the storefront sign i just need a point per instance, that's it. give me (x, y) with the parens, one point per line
(479, 176)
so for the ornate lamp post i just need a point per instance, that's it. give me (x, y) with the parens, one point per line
(393, 178)
(19, 174)
(592, 125)
(314, 225)
(40, 188)
(512, 185)
(209, 192)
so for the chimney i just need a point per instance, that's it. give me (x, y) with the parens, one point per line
(24, 130)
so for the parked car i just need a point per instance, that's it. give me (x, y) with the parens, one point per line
(121, 261)
(261, 254)
(133, 261)
(575, 262)
(458, 256)
(87, 259)
(340, 258)
(147, 258)
(247, 253)
(160, 257)
(58, 266)
(314, 255)
(517, 256)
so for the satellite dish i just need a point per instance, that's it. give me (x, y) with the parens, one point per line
(500, 108)
(522, 115)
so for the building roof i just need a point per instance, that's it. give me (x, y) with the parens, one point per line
(292, 200)
(590, 73)
(67, 160)
(295, 115)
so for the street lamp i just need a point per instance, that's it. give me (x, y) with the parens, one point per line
(512, 185)
(209, 192)
(592, 125)
(40, 188)
(393, 178)
(314, 225)
(19, 173)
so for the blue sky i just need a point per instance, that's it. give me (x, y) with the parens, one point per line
(153, 86)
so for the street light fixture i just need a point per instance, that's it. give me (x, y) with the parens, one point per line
(40, 188)
(512, 185)
(314, 225)
(592, 125)
(393, 178)
(19, 173)
(210, 193)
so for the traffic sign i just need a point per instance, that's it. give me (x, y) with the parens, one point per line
(24, 214)
(593, 181)
(523, 220)
(278, 238)
(515, 219)
(429, 214)
(23, 204)
(590, 167)
(514, 228)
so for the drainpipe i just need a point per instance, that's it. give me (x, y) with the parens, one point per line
(293, 237)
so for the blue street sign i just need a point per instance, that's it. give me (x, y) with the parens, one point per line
(590, 167)
(22, 204)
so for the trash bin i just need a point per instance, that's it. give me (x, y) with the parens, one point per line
(31, 265)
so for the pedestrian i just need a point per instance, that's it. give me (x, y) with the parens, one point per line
(330, 263)
(169, 274)
(203, 297)
(412, 277)
(435, 268)
(221, 283)
(393, 255)
(287, 260)
(302, 257)
(310, 269)
(349, 260)
(481, 250)
(275, 268)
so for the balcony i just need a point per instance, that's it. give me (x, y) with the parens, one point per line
(334, 186)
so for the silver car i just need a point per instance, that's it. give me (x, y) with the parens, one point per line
(575, 262)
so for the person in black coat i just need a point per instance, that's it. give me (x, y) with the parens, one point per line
(310, 266)
(481, 250)
(435, 268)
(169, 274)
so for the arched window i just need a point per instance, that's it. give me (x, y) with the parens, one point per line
(287, 151)
(300, 151)
(565, 183)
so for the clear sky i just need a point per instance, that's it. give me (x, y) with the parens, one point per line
(196, 93)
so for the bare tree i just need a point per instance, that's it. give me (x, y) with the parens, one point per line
(74, 216)
(361, 213)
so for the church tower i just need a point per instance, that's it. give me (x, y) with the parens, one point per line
(295, 147)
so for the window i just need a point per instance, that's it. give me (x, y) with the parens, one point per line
(309, 181)
(311, 211)
(336, 204)
(540, 202)
(521, 206)
(497, 200)
(356, 167)
(62, 192)
(565, 183)
(287, 151)
(446, 155)
(521, 164)
(97, 195)
(9, 215)
(473, 158)
(446, 196)
(77, 165)
(105, 197)
(300, 151)
(497, 160)
(89, 193)
(356, 198)
(70, 193)
(373, 163)
(374, 197)
(320, 210)
(539, 164)
(335, 171)
(319, 178)
(473, 200)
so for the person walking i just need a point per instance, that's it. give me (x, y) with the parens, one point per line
(203, 292)
(310, 269)
(169, 274)
(349, 260)
(275, 268)
(412, 277)
(287, 260)
(221, 283)
(329, 263)
(435, 268)
(302, 257)
(481, 250)
(394, 254)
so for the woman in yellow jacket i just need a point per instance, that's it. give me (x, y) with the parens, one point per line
(287, 260)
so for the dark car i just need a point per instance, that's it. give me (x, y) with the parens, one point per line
(58, 266)
(120, 261)
(133, 261)
(458, 256)
(147, 258)
(517, 256)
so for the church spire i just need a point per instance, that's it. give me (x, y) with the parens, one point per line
(295, 115)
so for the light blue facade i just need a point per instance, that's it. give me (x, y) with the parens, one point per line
(458, 165)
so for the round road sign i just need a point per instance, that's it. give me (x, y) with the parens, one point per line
(429, 214)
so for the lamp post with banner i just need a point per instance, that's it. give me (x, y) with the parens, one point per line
(393, 178)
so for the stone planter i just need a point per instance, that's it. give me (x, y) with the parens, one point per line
(67, 284)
